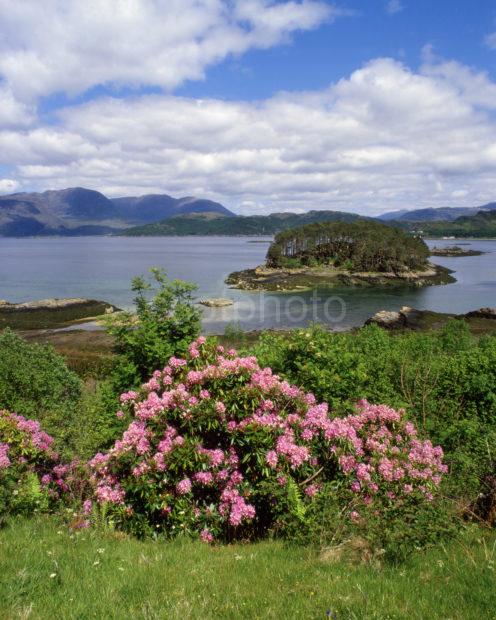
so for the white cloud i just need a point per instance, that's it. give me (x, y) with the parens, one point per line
(7, 186)
(385, 137)
(490, 41)
(394, 6)
(71, 46)
(14, 113)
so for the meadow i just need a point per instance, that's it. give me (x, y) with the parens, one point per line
(48, 572)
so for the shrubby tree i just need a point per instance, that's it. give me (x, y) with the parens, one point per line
(36, 383)
(160, 327)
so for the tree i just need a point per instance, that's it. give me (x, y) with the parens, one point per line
(161, 327)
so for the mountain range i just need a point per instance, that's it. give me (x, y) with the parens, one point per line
(80, 211)
(446, 214)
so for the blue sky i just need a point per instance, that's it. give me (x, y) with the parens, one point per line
(454, 29)
(263, 105)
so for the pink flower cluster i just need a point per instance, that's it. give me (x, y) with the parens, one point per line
(4, 455)
(25, 447)
(197, 428)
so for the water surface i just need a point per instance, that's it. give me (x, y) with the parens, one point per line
(102, 267)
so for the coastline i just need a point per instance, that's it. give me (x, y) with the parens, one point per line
(306, 278)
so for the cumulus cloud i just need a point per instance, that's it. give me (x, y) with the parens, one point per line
(384, 137)
(71, 46)
(14, 113)
(7, 186)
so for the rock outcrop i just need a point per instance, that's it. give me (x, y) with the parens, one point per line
(482, 313)
(216, 302)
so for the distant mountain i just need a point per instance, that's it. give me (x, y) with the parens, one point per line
(155, 207)
(482, 224)
(448, 214)
(212, 224)
(80, 211)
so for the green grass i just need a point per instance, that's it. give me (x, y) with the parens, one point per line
(48, 572)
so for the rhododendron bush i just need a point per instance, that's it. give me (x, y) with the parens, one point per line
(31, 476)
(221, 448)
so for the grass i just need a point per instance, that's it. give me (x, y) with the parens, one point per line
(48, 572)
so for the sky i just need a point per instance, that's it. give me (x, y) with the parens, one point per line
(263, 105)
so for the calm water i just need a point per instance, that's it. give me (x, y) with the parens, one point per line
(102, 267)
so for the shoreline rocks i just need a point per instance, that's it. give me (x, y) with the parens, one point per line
(216, 302)
(482, 313)
(455, 251)
(304, 278)
(54, 304)
(410, 318)
(52, 313)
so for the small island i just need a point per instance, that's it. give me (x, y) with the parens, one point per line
(454, 251)
(360, 253)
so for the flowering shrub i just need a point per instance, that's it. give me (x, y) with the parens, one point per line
(31, 476)
(220, 447)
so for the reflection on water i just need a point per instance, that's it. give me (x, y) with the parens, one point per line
(102, 267)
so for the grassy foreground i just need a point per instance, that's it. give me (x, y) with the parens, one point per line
(48, 572)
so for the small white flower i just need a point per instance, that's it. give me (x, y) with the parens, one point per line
(96, 562)
(53, 575)
(100, 550)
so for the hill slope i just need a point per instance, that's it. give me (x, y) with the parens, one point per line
(482, 224)
(448, 214)
(80, 211)
(240, 225)
(155, 207)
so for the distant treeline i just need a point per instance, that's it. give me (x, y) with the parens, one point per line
(356, 246)
(208, 224)
(483, 224)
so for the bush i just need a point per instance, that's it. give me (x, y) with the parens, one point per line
(31, 476)
(36, 383)
(220, 448)
(160, 328)
(445, 380)
(96, 426)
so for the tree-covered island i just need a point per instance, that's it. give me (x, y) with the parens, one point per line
(356, 253)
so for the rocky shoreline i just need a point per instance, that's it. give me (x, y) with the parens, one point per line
(455, 251)
(52, 313)
(265, 279)
(412, 319)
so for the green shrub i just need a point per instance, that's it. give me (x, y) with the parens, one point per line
(96, 426)
(36, 383)
(161, 327)
(446, 381)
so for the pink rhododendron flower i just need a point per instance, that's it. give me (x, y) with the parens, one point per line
(184, 486)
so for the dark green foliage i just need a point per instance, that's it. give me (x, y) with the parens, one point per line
(161, 327)
(36, 383)
(97, 426)
(445, 380)
(482, 224)
(239, 225)
(392, 535)
(356, 246)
